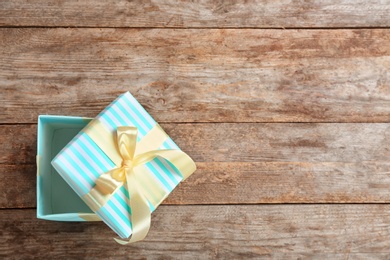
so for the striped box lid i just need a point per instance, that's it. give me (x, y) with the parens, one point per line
(81, 162)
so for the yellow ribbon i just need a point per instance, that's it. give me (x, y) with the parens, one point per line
(130, 172)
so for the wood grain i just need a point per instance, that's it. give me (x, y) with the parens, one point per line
(289, 231)
(209, 13)
(245, 142)
(198, 75)
(18, 186)
(285, 182)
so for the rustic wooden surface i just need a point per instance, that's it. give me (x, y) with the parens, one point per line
(284, 105)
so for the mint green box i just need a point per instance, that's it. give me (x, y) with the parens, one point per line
(56, 200)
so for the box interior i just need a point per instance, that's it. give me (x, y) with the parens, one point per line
(55, 196)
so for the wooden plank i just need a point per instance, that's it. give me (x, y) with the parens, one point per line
(259, 13)
(244, 183)
(246, 163)
(226, 232)
(245, 142)
(198, 75)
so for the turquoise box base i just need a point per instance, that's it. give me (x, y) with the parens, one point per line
(56, 200)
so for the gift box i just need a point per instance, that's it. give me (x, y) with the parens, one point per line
(123, 165)
(56, 200)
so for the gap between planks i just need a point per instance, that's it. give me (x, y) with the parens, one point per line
(200, 28)
(204, 14)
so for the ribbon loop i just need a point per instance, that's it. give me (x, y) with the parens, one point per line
(127, 140)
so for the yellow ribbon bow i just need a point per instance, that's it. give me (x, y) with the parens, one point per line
(128, 173)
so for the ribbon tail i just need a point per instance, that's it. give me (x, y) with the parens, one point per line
(140, 211)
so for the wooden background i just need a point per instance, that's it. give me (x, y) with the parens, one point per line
(284, 105)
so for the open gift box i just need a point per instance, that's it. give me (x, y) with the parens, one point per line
(56, 200)
(120, 165)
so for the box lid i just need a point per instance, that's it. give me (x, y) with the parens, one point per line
(83, 161)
